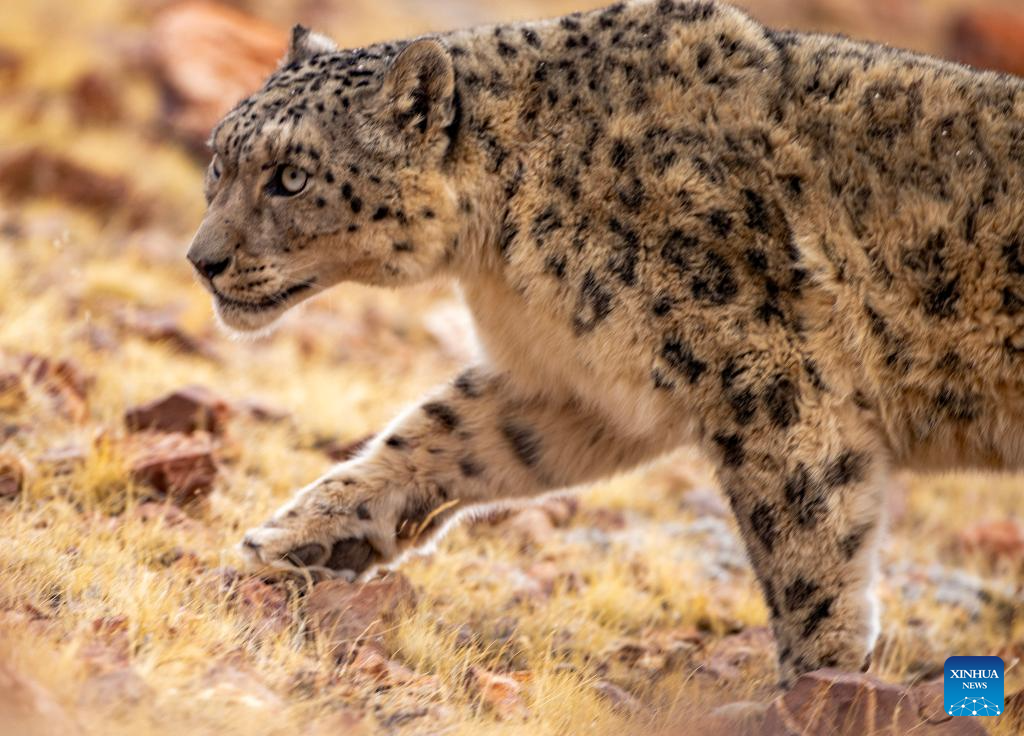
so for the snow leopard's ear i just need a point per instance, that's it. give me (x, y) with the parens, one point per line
(305, 44)
(419, 89)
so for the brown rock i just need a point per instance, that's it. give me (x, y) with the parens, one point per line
(13, 473)
(95, 99)
(1002, 539)
(371, 662)
(27, 709)
(36, 172)
(989, 38)
(12, 392)
(929, 697)
(179, 466)
(43, 370)
(834, 702)
(345, 613)
(263, 602)
(186, 410)
(500, 694)
(10, 66)
(207, 57)
(62, 380)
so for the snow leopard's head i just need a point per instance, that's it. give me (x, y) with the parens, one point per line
(334, 171)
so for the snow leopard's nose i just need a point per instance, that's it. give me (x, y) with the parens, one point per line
(213, 246)
(209, 268)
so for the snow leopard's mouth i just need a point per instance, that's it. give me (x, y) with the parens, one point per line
(274, 301)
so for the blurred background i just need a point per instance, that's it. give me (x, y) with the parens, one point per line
(137, 442)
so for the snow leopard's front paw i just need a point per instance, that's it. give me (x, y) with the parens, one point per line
(338, 525)
(344, 526)
(837, 632)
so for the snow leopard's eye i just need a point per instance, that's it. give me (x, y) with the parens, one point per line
(288, 181)
(215, 169)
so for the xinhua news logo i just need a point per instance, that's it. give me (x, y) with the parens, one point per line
(973, 686)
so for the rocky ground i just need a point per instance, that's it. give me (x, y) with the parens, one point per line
(137, 443)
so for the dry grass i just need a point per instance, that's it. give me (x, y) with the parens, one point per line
(89, 587)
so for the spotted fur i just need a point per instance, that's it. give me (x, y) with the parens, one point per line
(672, 225)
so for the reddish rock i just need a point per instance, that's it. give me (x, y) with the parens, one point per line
(179, 466)
(989, 38)
(95, 99)
(12, 391)
(186, 410)
(62, 380)
(37, 173)
(10, 66)
(345, 613)
(834, 702)
(263, 602)
(1002, 539)
(43, 370)
(12, 475)
(929, 697)
(372, 662)
(500, 694)
(207, 57)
